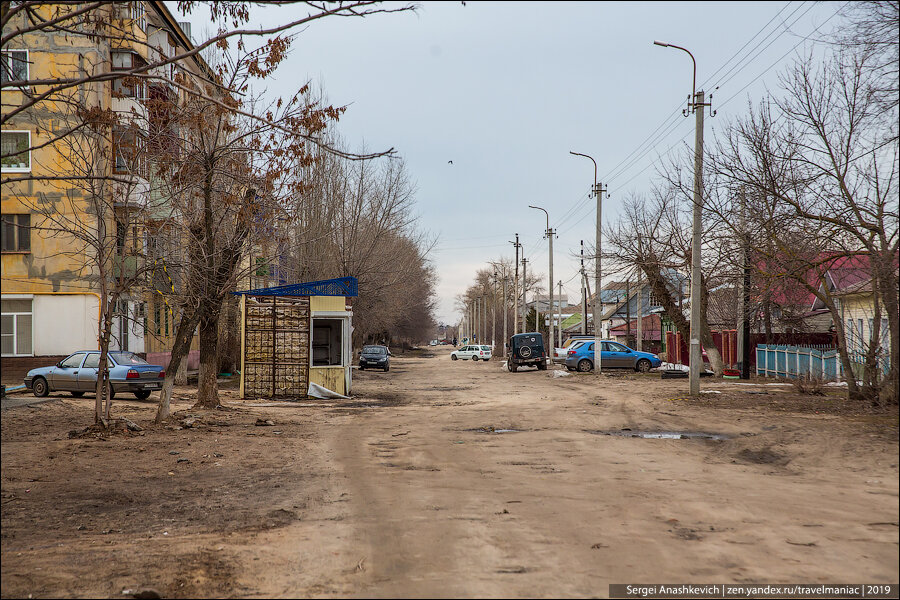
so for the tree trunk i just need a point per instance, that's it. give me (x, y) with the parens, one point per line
(706, 337)
(183, 336)
(207, 389)
(887, 291)
(843, 351)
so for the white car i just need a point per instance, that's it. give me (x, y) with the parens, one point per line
(473, 351)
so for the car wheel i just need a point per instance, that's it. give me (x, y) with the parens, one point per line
(584, 365)
(453, 357)
(643, 366)
(474, 359)
(512, 367)
(112, 391)
(142, 394)
(39, 387)
(77, 394)
(387, 368)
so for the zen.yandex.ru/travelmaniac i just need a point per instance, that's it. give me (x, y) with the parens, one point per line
(798, 590)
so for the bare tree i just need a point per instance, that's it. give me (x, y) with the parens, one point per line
(356, 219)
(654, 236)
(108, 24)
(825, 180)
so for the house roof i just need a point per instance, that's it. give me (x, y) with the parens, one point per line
(651, 328)
(342, 286)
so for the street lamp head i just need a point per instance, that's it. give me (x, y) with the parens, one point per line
(659, 43)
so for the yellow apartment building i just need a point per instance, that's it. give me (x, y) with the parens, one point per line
(51, 269)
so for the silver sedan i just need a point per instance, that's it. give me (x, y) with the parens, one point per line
(77, 374)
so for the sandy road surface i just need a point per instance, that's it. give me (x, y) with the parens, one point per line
(413, 489)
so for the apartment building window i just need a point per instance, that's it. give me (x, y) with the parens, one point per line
(138, 15)
(15, 151)
(128, 148)
(14, 65)
(15, 328)
(129, 86)
(15, 231)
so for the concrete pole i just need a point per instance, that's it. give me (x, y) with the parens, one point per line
(583, 295)
(741, 316)
(524, 297)
(516, 290)
(494, 314)
(640, 315)
(550, 307)
(505, 315)
(559, 319)
(598, 194)
(696, 350)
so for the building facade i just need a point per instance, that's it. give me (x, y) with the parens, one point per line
(77, 193)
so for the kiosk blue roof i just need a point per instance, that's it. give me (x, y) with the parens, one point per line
(342, 286)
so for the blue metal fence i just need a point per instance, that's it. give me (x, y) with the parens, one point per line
(791, 362)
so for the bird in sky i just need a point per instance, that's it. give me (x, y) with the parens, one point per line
(449, 162)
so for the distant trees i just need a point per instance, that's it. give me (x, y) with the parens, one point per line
(484, 306)
(355, 218)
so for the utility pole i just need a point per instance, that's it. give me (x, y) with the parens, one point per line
(598, 194)
(583, 294)
(524, 297)
(559, 318)
(640, 315)
(505, 314)
(549, 234)
(743, 329)
(628, 313)
(598, 356)
(516, 289)
(696, 275)
(696, 105)
(494, 314)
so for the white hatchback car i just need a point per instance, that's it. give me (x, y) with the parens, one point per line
(473, 351)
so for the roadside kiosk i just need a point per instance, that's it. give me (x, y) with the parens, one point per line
(296, 339)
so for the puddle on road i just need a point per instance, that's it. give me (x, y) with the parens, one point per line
(492, 429)
(662, 435)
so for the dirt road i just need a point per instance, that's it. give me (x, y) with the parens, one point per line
(451, 479)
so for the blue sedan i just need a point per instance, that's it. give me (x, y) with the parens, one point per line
(77, 374)
(613, 355)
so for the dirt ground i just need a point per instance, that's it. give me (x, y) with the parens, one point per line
(451, 479)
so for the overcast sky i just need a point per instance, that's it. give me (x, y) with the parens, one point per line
(505, 90)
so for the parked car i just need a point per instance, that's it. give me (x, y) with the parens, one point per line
(77, 374)
(613, 355)
(375, 357)
(561, 353)
(474, 351)
(526, 349)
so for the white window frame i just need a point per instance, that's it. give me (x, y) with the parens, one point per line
(138, 14)
(15, 315)
(6, 55)
(18, 169)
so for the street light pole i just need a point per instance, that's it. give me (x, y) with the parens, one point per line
(695, 105)
(524, 291)
(598, 194)
(549, 233)
(505, 315)
(516, 288)
(494, 314)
